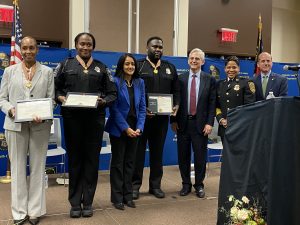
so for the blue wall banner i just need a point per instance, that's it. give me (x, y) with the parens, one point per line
(52, 56)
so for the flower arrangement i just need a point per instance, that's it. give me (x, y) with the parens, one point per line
(243, 213)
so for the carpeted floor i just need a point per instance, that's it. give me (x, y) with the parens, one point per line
(172, 210)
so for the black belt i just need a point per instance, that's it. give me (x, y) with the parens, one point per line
(191, 117)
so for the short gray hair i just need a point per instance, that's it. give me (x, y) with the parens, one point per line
(202, 54)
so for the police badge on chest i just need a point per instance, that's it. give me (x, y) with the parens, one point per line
(236, 87)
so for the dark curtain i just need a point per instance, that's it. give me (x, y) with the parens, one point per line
(261, 159)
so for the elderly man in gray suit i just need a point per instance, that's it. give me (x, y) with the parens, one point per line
(26, 80)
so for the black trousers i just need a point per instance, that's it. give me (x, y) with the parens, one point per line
(83, 135)
(155, 131)
(186, 139)
(123, 150)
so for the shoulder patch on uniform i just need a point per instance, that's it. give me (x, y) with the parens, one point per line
(56, 69)
(109, 75)
(251, 86)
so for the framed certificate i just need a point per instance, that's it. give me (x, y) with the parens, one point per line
(160, 104)
(27, 109)
(84, 100)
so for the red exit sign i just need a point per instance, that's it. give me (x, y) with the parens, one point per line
(228, 35)
(6, 13)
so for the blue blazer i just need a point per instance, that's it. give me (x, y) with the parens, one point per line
(116, 123)
(276, 83)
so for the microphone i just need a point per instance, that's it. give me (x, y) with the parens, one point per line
(293, 68)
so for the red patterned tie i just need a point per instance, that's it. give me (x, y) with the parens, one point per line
(193, 96)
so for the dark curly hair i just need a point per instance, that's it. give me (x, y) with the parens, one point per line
(232, 58)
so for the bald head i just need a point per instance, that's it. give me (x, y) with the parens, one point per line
(264, 54)
(264, 62)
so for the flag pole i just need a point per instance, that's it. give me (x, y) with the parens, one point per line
(259, 45)
(7, 179)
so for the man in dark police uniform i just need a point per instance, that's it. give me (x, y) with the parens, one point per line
(160, 77)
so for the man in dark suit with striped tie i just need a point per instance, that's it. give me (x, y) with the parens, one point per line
(194, 121)
(267, 81)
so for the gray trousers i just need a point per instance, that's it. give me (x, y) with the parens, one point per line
(28, 196)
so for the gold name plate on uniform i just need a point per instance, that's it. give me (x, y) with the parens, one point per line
(161, 104)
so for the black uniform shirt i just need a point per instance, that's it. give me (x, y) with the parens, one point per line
(164, 82)
(69, 77)
(230, 94)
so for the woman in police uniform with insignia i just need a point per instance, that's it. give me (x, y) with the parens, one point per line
(83, 126)
(232, 92)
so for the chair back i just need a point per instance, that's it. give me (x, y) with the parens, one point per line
(55, 134)
(107, 148)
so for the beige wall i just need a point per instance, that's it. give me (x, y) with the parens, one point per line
(182, 45)
(206, 17)
(109, 24)
(43, 20)
(76, 20)
(286, 31)
(156, 19)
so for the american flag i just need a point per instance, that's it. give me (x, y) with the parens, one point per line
(15, 56)
(259, 45)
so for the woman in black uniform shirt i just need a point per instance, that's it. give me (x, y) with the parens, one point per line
(83, 126)
(232, 92)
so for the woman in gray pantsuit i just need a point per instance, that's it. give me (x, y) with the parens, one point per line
(26, 80)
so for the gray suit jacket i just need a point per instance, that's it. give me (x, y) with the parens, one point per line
(13, 89)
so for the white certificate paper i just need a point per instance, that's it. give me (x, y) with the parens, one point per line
(86, 100)
(26, 110)
(164, 103)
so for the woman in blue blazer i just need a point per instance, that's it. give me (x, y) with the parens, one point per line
(125, 124)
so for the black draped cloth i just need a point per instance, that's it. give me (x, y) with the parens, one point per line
(261, 159)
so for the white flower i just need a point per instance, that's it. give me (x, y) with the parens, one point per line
(230, 198)
(242, 214)
(233, 212)
(245, 199)
(237, 203)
